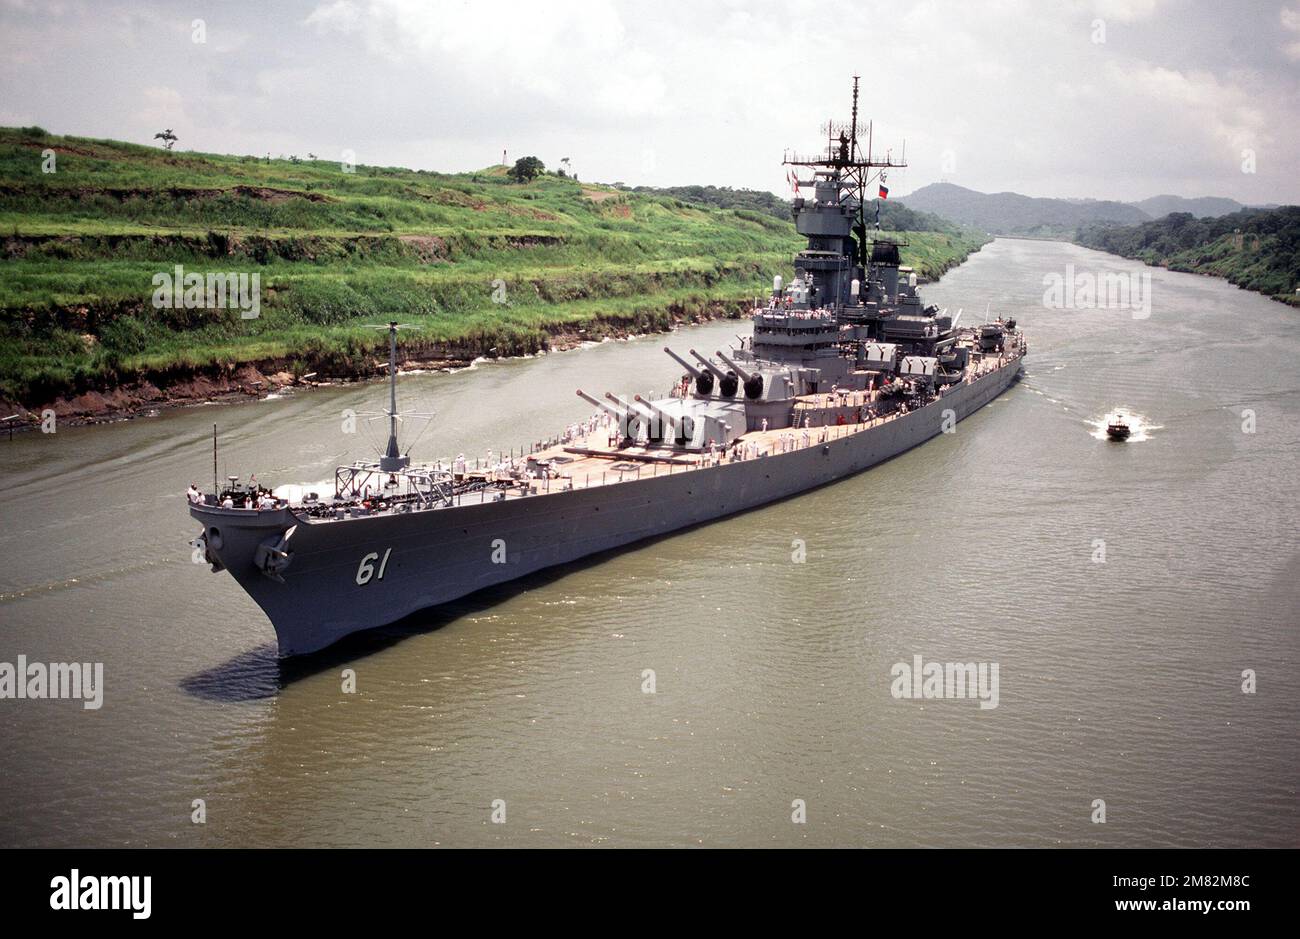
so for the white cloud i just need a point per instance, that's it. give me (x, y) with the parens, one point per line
(694, 91)
(1226, 112)
(1291, 22)
(1125, 11)
(163, 107)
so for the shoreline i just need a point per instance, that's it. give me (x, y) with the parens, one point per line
(253, 381)
(150, 394)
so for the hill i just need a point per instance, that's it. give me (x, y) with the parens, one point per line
(1009, 213)
(484, 265)
(893, 215)
(1258, 249)
(1204, 207)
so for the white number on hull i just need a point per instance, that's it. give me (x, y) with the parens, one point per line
(366, 570)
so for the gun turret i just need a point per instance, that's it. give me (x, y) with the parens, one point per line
(657, 411)
(683, 427)
(703, 380)
(644, 414)
(727, 381)
(753, 381)
(744, 375)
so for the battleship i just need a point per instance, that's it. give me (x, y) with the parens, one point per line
(845, 367)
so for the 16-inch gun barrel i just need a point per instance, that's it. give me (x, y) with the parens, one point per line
(629, 407)
(658, 411)
(744, 375)
(694, 372)
(709, 365)
(613, 412)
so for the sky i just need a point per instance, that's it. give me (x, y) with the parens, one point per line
(1099, 99)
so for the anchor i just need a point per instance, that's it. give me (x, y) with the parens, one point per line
(201, 542)
(273, 556)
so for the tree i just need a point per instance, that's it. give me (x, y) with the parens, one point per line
(167, 137)
(527, 169)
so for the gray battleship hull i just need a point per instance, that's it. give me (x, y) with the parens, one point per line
(432, 557)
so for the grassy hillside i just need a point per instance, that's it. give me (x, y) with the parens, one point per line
(1258, 249)
(484, 265)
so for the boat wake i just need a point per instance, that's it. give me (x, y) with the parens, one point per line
(1140, 425)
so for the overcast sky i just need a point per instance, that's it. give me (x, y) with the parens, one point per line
(1001, 95)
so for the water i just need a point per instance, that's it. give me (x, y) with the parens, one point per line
(1118, 681)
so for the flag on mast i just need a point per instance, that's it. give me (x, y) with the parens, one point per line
(884, 191)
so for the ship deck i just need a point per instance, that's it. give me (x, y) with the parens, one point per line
(593, 459)
(589, 461)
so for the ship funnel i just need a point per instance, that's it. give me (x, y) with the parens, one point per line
(777, 284)
(885, 260)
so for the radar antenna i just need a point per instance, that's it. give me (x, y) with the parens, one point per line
(855, 169)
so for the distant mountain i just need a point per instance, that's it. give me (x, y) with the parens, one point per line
(1009, 213)
(1204, 207)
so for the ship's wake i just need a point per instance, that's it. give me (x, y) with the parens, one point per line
(1140, 426)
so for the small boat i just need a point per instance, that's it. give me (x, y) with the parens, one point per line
(1117, 428)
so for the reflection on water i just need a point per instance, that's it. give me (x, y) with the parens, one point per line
(1118, 680)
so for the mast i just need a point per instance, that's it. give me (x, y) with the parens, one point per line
(392, 460)
(853, 132)
(851, 165)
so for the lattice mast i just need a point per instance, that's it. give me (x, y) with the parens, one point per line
(855, 170)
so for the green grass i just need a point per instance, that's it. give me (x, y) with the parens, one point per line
(336, 250)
